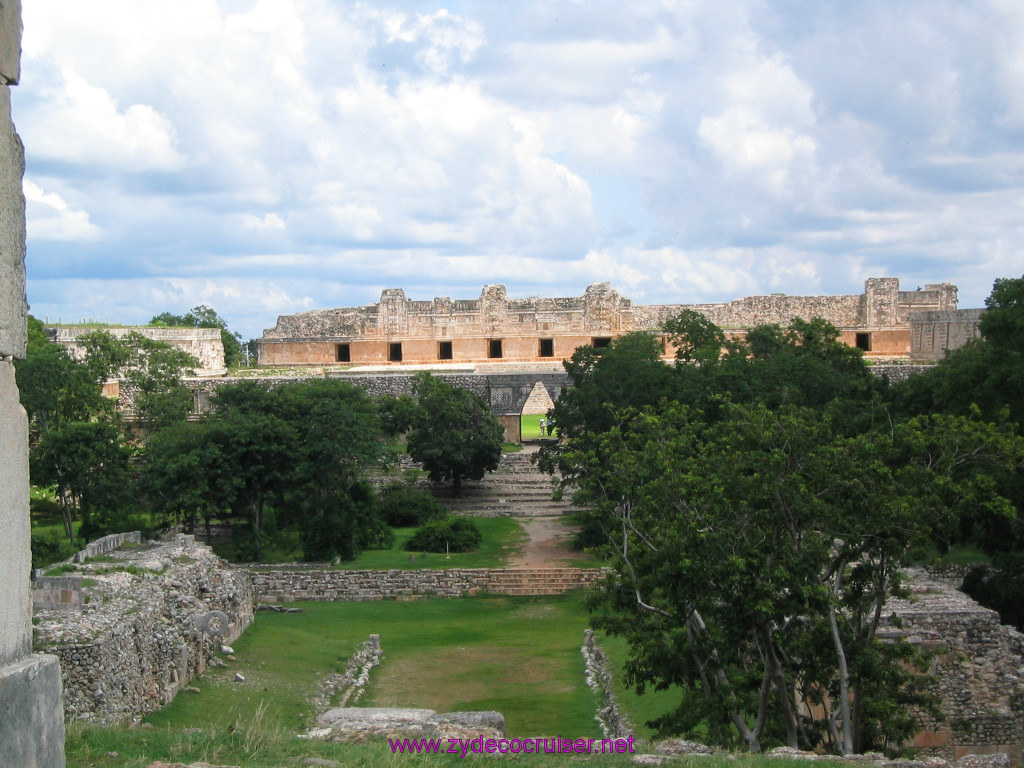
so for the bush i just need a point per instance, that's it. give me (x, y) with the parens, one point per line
(50, 547)
(451, 534)
(349, 524)
(403, 506)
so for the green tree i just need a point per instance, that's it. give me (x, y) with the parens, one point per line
(89, 466)
(204, 316)
(454, 434)
(696, 338)
(151, 373)
(55, 389)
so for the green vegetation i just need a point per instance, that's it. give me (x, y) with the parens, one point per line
(758, 500)
(453, 433)
(447, 534)
(519, 656)
(255, 742)
(529, 423)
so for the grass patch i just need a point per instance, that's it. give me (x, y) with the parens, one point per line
(529, 423)
(136, 748)
(638, 709)
(519, 656)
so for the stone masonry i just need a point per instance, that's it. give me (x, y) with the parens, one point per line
(31, 721)
(146, 620)
(204, 344)
(495, 328)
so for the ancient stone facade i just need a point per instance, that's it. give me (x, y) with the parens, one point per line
(204, 344)
(935, 334)
(147, 619)
(31, 722)
(495, 328)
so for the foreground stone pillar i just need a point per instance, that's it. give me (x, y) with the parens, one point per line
(31, 715)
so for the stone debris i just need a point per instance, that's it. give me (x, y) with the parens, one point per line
(994, 760)
(614, 724)
(363, 723)
(349, 686)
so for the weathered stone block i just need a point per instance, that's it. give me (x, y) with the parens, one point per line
(15, 551)
(10, 41)
(13, 306)
(31, 717)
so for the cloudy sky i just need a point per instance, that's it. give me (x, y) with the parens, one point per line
(273, 156)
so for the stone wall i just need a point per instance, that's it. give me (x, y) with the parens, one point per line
(934, 334)
(493, 328)
(285, 585)
(979, 670)
(31, 726)
(204, 344)
(149, 619)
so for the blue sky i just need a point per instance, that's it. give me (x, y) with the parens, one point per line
(272, 156)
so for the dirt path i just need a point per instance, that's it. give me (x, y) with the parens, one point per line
(549, 545)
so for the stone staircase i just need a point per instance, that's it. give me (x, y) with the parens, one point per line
(516, 489)
(541, 581)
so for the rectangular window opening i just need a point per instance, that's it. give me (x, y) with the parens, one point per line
(864, 341)
(444, 350)
(344, 354)
(601, 342)
(395, 352)
(547, 347)
(494, 348)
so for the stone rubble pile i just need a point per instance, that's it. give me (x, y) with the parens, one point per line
(152, 618)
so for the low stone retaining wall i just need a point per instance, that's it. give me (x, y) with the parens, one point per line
(151, 618)
(614, 724)
(286, 585)
(108, 544)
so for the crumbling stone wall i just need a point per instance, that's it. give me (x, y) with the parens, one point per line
(979, 670)
(204, 344)
(31, 726)
(150, 619)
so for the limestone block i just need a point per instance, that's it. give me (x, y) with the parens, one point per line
(10, 41)
(31, 716)
(15, 552)
(13, 306)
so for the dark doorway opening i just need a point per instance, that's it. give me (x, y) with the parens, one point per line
(547, 348)
(601, 342)
(344, 354)
(864, 341)
(395, 352)
(494, 348)
(444, 350)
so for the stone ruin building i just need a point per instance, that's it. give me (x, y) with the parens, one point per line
(31, 717)
(204, 344)
(495, 328)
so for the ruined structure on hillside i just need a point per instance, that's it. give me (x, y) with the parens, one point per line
(494, 328)
(31, 719)
(133, 627)
(204, 344)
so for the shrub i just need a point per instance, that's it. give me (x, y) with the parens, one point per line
(403, 506)
(50, 547)
(450, 534)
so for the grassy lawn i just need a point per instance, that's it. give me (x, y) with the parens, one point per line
(519, 656)
(503, 536)
(529, 423)
(638, 709)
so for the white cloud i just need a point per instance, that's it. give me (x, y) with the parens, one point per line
(49, 217)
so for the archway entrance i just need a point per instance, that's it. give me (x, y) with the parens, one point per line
(535, 408)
